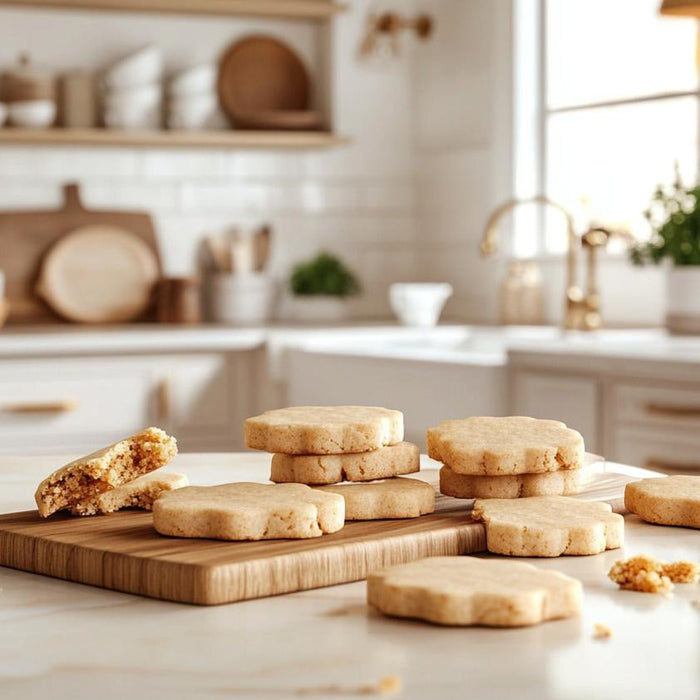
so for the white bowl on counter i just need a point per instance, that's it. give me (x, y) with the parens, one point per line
(198, 80)
(139, 68)
(419, 303)
(32, 114)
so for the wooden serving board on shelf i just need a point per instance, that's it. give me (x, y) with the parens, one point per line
(123, 552)
(26, 236)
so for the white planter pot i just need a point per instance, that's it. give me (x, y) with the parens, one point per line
(318, 309)
(683, 299)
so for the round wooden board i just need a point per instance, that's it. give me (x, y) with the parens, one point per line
(99, 274)
(261, 74)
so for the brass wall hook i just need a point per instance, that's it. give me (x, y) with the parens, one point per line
(390, 25)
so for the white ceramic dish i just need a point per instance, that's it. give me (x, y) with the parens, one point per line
(198, 80)
(419, 303)
(139, 68)
(195, 112)
(32, 114)
(3, 113)
(136, 108)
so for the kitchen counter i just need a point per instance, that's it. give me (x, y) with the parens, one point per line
(64, 640)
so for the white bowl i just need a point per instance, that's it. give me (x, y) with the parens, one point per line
(194, 81)
(32, 114)
(194, 112)
(141, 67)
(139, 97)
(419, 303)
(135, 108)
(3, 113)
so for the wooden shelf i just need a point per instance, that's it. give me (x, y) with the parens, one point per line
(172, 139)
(287, 9)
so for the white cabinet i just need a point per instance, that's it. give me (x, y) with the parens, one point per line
(79, 403)
(568, 398)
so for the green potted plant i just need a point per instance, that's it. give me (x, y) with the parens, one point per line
(674, 216)
(320, 289)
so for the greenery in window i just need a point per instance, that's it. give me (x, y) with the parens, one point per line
(323, 275)
(674, 216)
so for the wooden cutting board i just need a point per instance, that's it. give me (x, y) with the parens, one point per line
(26, 236)
(123, 552)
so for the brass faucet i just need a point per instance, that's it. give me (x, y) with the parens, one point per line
(582, 311)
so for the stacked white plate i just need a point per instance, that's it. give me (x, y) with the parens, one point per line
(133, 92)
(193, 103)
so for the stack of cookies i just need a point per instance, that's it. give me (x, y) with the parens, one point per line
(322, 446)
(511, 457)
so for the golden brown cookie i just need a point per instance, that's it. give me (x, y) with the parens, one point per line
(248, 511)
(472, 591)
(384, 500)
(86, 478)
(393, 460)
(548, 526)
(511, 445)
(320, 430)
(669, 500)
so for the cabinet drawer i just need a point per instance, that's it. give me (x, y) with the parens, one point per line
(72, 403)
(672, 451)
(656, 405)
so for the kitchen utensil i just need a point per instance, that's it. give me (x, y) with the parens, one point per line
(282, 120)
(219, 248)
(417, 303)
(262, 240)
(123, 552)
(198, 80)
(78, 100)
(261, 74)
(26, 83)
(25, 236)
(241, 300)
(32, 114)
(242, 253)
(98, 274)
(141, 67)
(178, 300)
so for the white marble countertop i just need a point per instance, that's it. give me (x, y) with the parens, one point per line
(65, 640)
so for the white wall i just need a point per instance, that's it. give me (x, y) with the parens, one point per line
(357, 200)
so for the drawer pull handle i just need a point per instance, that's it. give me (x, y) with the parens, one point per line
(43, 407)
(661, 465)
(660, 409)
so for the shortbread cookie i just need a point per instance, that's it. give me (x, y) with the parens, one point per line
(321, 430)
(139, 493)
(471, 591)
(549, 526)
(669, 500)
(512, 445)
(384, 500)
(393, 460)
(86, 478)
(562, 483)
(248, 511)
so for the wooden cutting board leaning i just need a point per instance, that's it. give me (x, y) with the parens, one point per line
(123, 552)
(26, 237)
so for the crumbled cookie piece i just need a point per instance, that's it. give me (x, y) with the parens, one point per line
(682, 571)
(646, 574)
(390, 685)
(601, 631)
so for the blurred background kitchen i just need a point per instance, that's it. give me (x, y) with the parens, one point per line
(209, 208)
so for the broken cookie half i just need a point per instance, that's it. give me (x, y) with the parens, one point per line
(77, 485)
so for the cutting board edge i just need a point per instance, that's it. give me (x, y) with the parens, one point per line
(218, 584)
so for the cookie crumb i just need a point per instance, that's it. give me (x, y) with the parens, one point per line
(646, 574)
(387, 686)
(682, 571)
(601, 631)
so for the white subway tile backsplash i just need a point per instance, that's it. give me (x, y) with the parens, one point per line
(115, 194)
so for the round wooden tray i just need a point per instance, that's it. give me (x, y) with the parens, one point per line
(259, 75)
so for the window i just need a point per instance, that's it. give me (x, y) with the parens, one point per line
(606, 103)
